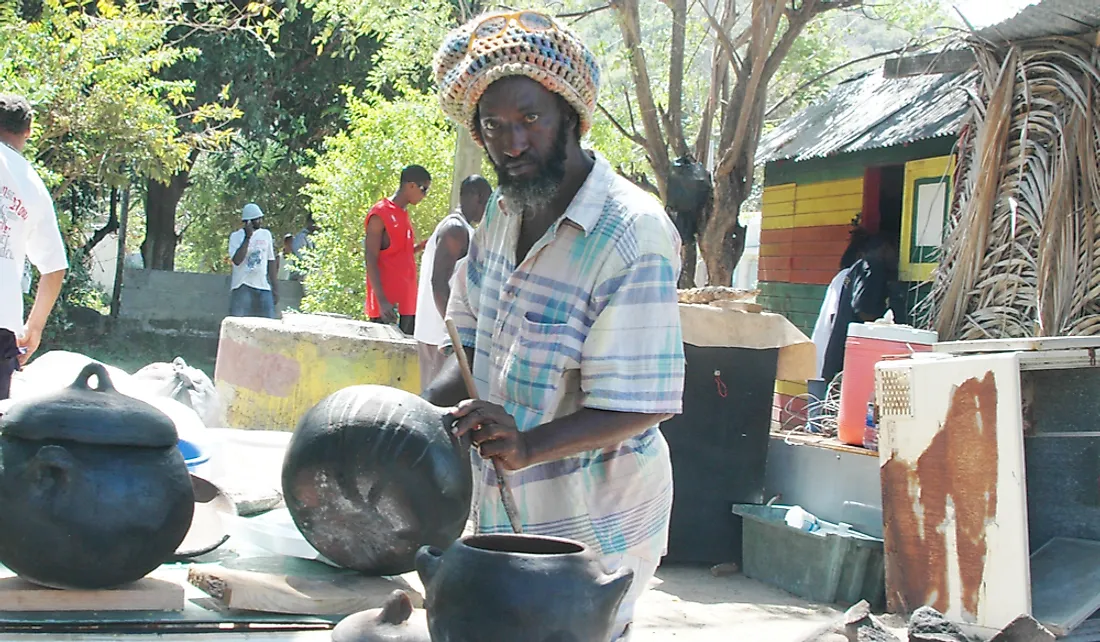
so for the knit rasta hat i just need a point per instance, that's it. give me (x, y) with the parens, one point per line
(522, 43)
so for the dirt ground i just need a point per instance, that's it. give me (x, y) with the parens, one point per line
(688, 604)
(683, 604)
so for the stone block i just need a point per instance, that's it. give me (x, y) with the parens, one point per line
(1024, 629)
(929, 625)
(269, 373)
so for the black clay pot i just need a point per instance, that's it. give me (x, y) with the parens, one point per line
(504, 588)
(372, 474)
(93, 491)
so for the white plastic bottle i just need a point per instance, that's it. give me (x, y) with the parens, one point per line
(798, 517)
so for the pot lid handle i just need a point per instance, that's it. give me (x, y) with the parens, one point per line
(103, 380)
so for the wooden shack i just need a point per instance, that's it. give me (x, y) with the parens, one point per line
(877, 152)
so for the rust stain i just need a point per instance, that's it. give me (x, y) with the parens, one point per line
(959, 468)
(249, 367)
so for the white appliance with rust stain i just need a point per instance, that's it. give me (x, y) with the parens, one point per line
(951, 454)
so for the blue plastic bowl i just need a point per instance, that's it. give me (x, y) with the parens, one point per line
(193, 454)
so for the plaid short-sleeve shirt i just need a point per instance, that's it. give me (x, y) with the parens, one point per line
(588, 318)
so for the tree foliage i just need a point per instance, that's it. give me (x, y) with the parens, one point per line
(358, 167)
(92, 70)
(745, 46)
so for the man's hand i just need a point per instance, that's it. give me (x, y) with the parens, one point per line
(419, 247)
(32, 336)
(493, 431)
(248, 229)
(387, 311)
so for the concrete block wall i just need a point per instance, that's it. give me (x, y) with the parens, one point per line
(162, 300)
(270, 372)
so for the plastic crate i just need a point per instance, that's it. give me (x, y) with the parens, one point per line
(829, 568)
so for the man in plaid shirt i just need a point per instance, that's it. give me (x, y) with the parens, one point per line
(565, 304)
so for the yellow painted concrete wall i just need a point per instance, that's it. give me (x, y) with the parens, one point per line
(269, 373)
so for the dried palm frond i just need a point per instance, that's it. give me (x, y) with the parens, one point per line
(1023, 243)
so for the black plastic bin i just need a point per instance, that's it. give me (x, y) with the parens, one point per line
(719, 446)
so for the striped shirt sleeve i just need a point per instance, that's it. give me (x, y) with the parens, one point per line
(633, 357)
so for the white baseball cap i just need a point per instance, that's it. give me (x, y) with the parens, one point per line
(251, 211)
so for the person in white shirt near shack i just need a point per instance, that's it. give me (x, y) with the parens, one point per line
(28, 230)
(253, 279)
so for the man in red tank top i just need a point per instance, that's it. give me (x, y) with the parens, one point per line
(389, 250)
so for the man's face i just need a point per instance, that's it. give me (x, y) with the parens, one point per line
(473, 205)
(417, 191)
(255, 223)
(525, 131)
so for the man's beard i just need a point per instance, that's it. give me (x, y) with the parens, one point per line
(525, 196)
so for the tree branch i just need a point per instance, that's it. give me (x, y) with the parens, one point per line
(639, 179)
(719, 73)
(630, 111)
(657, 147)
(111, 226)
(674, 117)
(577, 15)
(634, 138)
(729, 45)
(752, 79)
(825, 74)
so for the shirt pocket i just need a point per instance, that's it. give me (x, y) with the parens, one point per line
(537, 361)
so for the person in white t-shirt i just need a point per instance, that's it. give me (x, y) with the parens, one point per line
(28, 230)
(252, 282)
(447, 244)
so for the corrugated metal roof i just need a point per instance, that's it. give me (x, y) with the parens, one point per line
(870, 111)
(1047, 18)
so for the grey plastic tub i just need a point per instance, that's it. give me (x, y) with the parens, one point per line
(829, 568)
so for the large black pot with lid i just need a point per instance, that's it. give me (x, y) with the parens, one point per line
(94, 492)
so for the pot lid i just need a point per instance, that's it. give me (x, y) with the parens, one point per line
(90, 415)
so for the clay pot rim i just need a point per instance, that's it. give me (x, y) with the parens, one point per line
(471, 542)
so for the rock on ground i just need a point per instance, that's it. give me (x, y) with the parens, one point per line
(1024, 629)
(929, 625)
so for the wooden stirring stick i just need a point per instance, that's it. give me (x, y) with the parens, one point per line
(506, 497)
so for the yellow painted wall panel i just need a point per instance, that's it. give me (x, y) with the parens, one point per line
(915, 263)
(777, 222)
(831, 188)
(777, 209)
(269, 373)
(846, 202)
(778, 194)
(791, 388)
(825, 218)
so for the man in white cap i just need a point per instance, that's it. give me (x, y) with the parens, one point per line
(252, 282)
(565, 304)
(28, 230)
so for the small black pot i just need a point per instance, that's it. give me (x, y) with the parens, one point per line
(504, 588)
(94, 492)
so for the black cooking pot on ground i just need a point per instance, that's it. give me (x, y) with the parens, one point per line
(94, 492)
(506, 588)
(372, 474)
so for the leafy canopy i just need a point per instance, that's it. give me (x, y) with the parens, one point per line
(358, 167)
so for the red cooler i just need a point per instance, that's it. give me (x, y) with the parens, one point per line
(866, 345)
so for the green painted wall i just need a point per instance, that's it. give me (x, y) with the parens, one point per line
(799, 302)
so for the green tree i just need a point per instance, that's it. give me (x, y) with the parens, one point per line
(733, 50)
(102, 109)
(288, 93)
(358, 167)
